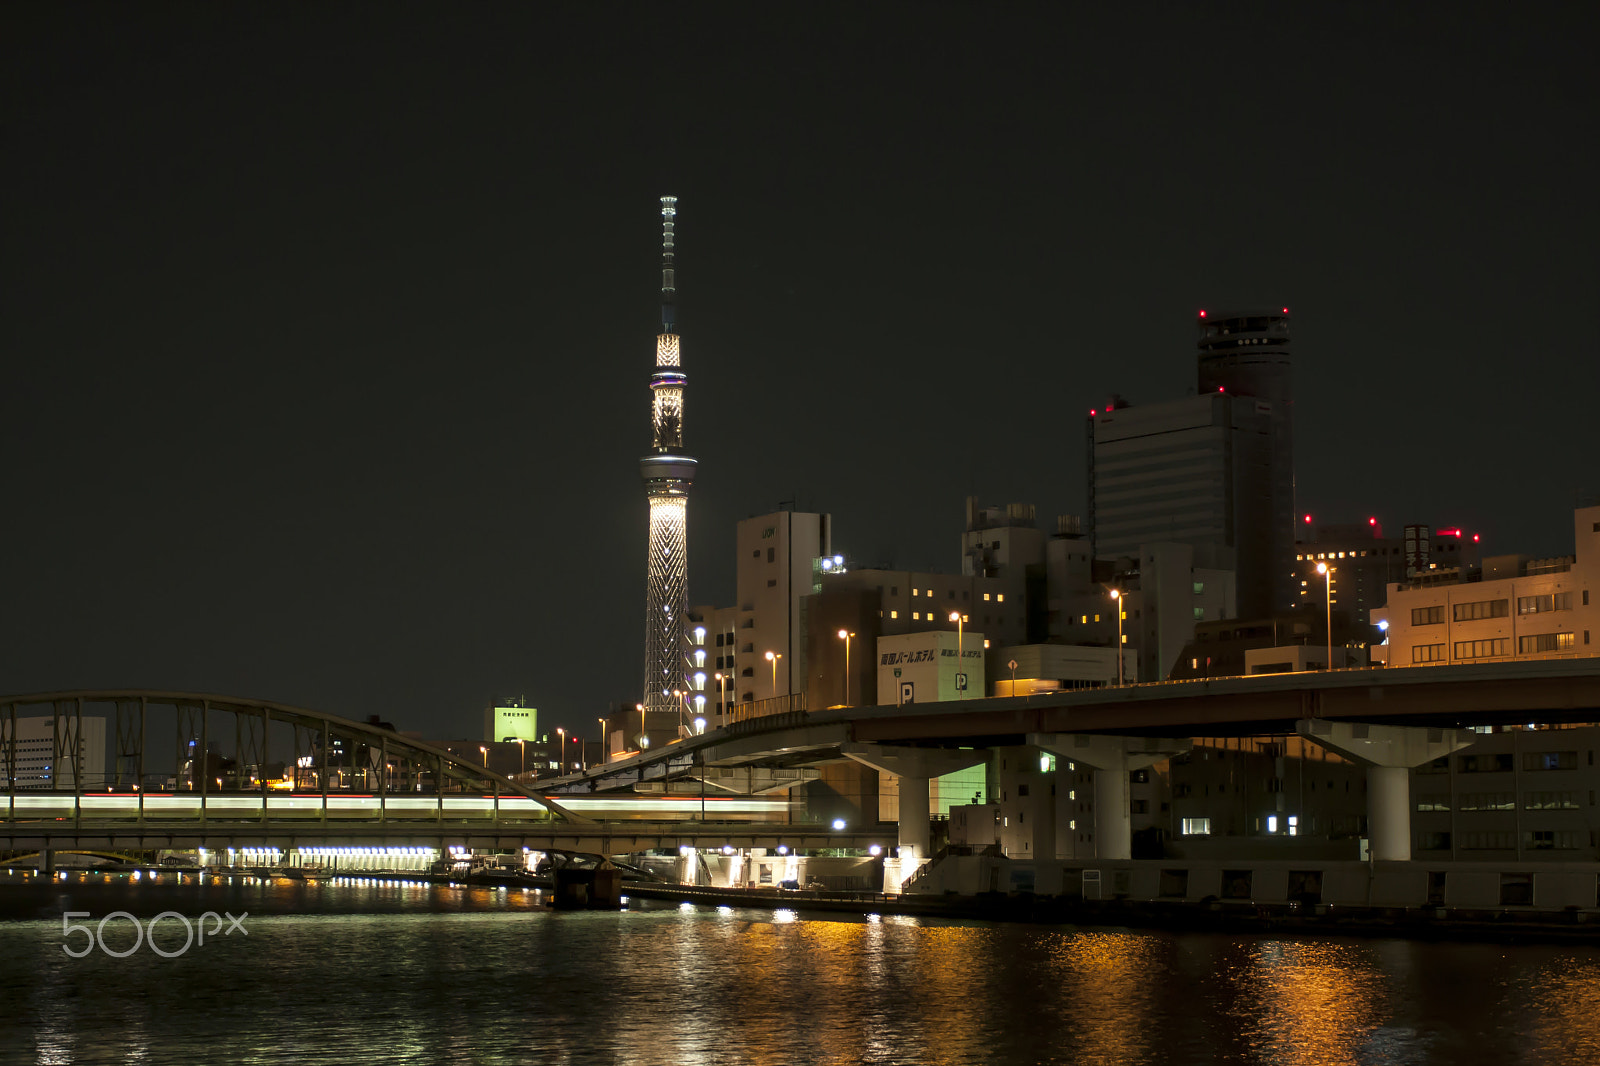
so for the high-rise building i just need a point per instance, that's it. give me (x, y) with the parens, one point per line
(1214, 470)
(1247, 355)
(780, 556)
(668, 472)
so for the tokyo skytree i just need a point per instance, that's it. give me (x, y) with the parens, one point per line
(668, 473)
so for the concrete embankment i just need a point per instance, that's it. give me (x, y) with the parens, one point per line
(1424, 923)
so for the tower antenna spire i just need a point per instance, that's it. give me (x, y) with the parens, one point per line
(669, 287)
(667, 472)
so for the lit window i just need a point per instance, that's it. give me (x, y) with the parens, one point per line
(1097, 618)
(894, 614)
(1000, 597)
(1124, 638)
(916, 616)
(929, 593)
(914, 592)
(985, 597)
(1083, 620)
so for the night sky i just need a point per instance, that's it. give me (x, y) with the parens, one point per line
(328, 327)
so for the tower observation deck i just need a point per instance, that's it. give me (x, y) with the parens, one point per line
(668, 471)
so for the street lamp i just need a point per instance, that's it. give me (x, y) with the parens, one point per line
(605, 756)
(955, 616)
(773, 657)
(1327, 597)
(722, 696)
(561, 746)
(644, 741)
(484, 749)
(845, 635)
(1116, 602)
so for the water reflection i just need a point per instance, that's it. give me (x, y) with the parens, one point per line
(1105, 983)
(489, 977)
(1310, 1003)
(1561, 1005)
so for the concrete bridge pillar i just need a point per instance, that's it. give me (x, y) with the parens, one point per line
(915, 821)
(1113, 822)
(1112, 758)
(915, 767)
(1388, 752)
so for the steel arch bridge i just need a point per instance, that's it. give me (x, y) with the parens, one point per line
(182, 761)
(191, 770)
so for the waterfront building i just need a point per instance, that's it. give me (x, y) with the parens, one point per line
(1512, 607)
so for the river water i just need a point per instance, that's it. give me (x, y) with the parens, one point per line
(346, 972)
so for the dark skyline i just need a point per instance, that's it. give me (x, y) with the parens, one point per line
(327, 330)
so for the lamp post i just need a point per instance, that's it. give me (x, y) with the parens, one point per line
(561, 746)
(605, 756)
(583, 756)
(955, 616)
(1327, 598)
(522, 750)
(1116, 603)
(773, 657)
(483, 749)
(1013, 665)
(643, 742)
(722, 697)
(845, 635)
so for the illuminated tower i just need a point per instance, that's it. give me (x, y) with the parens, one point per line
(667, 474)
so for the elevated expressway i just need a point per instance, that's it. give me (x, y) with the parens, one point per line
(1386, 719)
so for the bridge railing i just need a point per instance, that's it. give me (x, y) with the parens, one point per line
(793, 703)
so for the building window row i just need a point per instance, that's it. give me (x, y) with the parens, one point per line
(1472, 612)
(1483, 649)
(1550, 601)
(1427, 653)
(1487, 801)
(1549, 760)
(1546, 642)
(1549, 801)
(1427, 616)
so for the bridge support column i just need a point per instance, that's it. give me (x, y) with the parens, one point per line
(47, 861)
(1113, 821)
(915, 767)
(1112, 759)
(1388, 752)
(915, 822)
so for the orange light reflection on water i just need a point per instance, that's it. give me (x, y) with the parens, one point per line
(1310, 1003)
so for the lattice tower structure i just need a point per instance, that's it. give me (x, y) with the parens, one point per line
(668, 471)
